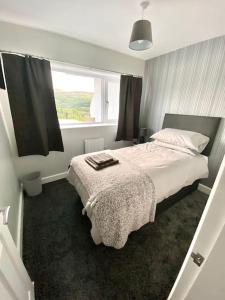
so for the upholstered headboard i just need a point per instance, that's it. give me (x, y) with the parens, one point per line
(205, 125)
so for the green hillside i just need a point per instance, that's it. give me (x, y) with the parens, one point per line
(73, 105)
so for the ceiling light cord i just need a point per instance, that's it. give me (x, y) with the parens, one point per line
(144, 5)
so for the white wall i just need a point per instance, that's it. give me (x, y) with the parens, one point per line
(73, 140)
(58, 47)
(9, 187)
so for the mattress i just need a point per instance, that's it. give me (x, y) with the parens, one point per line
(170, 170)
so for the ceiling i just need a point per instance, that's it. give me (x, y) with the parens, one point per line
(108, 23)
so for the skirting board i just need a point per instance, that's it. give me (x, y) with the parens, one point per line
(19, 238)
(204, 189)
(52, 178)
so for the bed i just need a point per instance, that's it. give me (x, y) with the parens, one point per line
(149, 179)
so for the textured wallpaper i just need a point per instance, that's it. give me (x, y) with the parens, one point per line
(190, 80)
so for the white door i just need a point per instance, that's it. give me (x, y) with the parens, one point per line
(210, 283)
(206, 281)
(15, 283)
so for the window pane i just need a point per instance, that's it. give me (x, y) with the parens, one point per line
(78, 98)
(113, 100)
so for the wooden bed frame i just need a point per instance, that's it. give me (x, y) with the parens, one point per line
(205, 125)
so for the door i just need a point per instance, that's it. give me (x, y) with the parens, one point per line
(15, 283)
(210, 281)
(201, 282)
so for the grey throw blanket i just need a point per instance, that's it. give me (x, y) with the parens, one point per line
(121, 198)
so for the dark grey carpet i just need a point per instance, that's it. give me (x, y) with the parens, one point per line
(65, 263)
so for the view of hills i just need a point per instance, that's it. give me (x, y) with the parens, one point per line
(73, 105)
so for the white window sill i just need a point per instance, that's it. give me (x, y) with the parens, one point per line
(70, 126)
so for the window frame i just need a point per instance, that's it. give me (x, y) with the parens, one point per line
(105, 77)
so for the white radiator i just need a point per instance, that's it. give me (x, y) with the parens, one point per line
(93, 145)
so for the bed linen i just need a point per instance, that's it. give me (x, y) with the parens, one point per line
(152, 174)
(184, 138)
(121, 198)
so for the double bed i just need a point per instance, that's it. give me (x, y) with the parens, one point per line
(149, 178)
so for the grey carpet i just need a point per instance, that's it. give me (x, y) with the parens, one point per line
(65, 264)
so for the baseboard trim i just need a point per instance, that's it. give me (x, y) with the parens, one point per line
(54, 177)
(204, 189)
(19, 238)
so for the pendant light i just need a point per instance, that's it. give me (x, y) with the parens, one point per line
(141, 37)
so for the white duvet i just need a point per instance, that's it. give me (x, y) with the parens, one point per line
(170, 170)
(160, 173)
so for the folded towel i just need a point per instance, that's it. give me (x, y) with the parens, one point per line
(100, 158)
(102, 166)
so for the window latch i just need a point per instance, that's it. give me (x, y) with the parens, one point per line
(197, 258)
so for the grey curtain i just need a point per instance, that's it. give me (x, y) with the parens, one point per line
(2, 82)
(32, 103)
(129, 111)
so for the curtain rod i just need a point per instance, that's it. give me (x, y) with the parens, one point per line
(63, 62)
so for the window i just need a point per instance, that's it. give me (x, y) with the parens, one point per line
(85, 97)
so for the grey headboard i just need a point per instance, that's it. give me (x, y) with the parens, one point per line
(205, 125)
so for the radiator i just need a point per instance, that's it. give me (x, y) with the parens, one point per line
(93, 145)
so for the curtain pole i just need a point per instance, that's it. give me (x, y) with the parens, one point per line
(63, 62)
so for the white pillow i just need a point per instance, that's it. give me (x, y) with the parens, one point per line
(177, 148)
(183, 138)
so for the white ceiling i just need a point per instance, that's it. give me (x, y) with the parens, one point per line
(108, 23)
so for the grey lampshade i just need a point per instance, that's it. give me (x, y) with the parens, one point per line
(141, 37)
